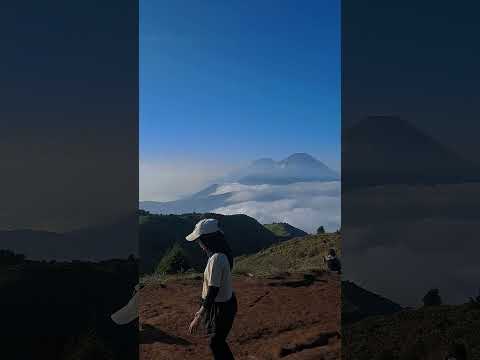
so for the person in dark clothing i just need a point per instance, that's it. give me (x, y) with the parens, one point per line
(219, 304)
(332, 261)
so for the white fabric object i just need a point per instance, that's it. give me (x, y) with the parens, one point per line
(128, 313)
(217, 273)
(203, 227)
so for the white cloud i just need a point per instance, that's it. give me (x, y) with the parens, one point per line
(303, 205)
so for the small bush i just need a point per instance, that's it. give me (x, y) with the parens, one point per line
(8, 257)
(416, 351)
(174, 261)
(432, 298)
(475, 300)
(385, 355)
(314, 252)
(458, 350)
(88, 346)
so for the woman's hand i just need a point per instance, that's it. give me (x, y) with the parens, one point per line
(192, 329)
(200, 312)
(196, 320)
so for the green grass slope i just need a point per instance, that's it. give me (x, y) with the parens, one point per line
(295, 255)
(285, 230)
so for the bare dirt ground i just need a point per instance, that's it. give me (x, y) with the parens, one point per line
(278, 318)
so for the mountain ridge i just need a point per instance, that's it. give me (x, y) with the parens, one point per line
(159, 234)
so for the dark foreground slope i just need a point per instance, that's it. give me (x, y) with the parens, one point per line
(160, 233)
(62, 310)
(422, 334)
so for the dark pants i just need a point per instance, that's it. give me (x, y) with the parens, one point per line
(219, 325)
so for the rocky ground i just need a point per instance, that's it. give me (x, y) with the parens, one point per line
(285, 317)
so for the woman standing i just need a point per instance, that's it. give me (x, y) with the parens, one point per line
(219, 304)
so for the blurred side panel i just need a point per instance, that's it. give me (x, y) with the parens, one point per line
(410, 179)
(69, 178)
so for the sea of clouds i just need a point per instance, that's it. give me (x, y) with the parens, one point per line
(400, 241)
(305, 205)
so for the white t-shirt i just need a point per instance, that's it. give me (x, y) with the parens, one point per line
(217, 273)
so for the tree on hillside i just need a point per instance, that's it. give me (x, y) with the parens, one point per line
(321, 230)
(475, 300)
(432, 298)
(8, 257)
(174, 261)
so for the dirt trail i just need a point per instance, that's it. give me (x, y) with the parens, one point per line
(288, 319)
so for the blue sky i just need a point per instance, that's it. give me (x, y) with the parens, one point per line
(222, 83)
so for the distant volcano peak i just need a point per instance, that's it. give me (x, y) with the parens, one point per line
(300, 158)
(298, 167)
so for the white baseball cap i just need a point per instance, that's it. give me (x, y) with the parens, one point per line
(203, 227)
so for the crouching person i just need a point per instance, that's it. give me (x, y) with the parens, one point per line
(332, 261)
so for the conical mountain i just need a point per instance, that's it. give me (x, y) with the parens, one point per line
(381, 150)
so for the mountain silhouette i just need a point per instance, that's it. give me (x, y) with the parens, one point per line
(381, 150)
(98, 242)
(359, 303)
(299, 167)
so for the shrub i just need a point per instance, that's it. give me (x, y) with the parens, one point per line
(458, 350)
(385, 355)
(174, 261)
(432, 298)
(314, 252)
(475, 301)
(88, 346)
(8, 257)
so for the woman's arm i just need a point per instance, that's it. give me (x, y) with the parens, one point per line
(210, 298)
(208, 301)
(207, 304)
